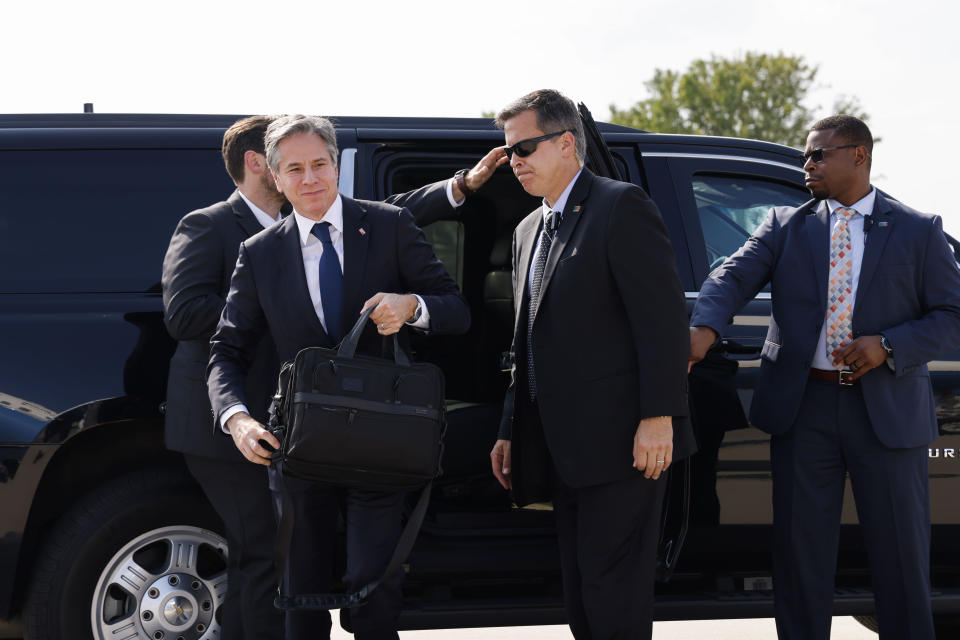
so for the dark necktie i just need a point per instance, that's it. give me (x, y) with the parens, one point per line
(331, 281)
(546, 239)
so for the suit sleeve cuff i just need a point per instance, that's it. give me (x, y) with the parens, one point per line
(228, 413)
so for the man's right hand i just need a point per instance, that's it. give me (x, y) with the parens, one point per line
(500, 460)
(481, 172)
(247, 434)
(701, 339)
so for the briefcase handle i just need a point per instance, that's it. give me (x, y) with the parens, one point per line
(348, 346)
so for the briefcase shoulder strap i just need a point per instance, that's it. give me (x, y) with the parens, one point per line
(312, 601)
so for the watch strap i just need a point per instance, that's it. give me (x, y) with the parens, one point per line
(460, 177)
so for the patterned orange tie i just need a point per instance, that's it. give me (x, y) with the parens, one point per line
(840, 290)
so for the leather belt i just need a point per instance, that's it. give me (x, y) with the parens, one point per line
(833, 375)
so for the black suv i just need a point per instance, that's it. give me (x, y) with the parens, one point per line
(94, 511)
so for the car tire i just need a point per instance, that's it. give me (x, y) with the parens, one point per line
(141, 555)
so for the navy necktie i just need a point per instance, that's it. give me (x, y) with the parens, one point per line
(331, 281)
(546, 239)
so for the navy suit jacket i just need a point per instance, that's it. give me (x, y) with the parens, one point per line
(383, 250)
(196, 278)
(909, 290)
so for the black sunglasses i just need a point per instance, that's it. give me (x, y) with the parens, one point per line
(817, 154)
(528, 146)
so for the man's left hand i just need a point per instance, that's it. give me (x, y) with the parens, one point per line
(861, 355)
(653, 446)
(393, 310)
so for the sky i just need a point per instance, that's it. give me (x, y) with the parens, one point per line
(445, 58)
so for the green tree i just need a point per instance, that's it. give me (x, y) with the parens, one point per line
(756, 95)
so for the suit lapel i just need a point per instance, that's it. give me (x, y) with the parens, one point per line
(572, 213)
(356, 233)
(874, 243)
(817, 229)
(527, 234)
(292, 277)
(245, 218)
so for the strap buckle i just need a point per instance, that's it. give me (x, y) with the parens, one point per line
(845, 380)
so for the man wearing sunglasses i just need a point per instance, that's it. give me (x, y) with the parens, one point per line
(865, 292)
(597, 405)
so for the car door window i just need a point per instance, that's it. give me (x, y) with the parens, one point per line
(731, 208)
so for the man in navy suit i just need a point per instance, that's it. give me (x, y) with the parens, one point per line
(865, 292)
(196, 278)
(303, 282)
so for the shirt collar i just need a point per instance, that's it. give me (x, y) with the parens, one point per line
(264, 218)
(863, 206)
(562, 200)
(334, 216)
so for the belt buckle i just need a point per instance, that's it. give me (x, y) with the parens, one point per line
(844, 378)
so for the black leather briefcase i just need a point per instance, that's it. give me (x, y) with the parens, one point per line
(360, 422)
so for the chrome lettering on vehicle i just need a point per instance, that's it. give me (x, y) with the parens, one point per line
(946, 453)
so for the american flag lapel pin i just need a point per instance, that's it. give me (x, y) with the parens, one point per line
(362, 231)
(576, 209)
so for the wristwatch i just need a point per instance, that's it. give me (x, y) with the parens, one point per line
(417, 313)
(461, 179)
(886, 345)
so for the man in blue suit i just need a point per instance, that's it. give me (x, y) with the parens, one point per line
(865, 292)
(303, 282)
(196, 278)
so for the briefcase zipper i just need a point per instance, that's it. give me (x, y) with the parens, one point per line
(351, 413)
(356, 404)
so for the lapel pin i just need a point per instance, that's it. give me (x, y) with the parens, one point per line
(362, 231)
(883, 223)
(576, 209)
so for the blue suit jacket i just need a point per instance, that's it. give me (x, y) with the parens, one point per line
(383, 250)
(909, 290)
(196, 279)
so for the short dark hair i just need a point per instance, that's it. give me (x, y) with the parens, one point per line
(286, 126)
(555, 112)
(853, 130)
(243, 135)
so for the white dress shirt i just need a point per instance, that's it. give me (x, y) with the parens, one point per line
(449, 190)
(858, 238)
(311, 248)
(546, 209)
(264, 218)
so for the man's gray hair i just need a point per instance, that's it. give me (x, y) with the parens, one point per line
(555, 112)
(286, 126)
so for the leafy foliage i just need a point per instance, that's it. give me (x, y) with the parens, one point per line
(756, 95)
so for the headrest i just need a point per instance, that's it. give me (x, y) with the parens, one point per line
(500, 254)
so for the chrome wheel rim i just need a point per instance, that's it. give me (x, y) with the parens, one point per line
(166, 584)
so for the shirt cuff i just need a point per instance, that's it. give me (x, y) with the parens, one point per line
(229, 412)
(453, 203)
(423, 322)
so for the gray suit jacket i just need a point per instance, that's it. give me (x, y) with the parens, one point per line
(909, 291)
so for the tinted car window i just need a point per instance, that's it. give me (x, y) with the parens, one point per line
(97, 220)
(732, 207)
